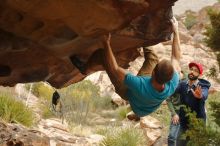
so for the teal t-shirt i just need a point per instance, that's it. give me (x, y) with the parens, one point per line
(143, 98)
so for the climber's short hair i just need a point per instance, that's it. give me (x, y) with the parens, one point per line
(163, 71)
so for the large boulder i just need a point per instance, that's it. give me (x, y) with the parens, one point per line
(50, 132)
(15, 134)
(152, 129)
(42, 40)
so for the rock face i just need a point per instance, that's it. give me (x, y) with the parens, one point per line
(13, 134)
(40, 39)
(152, 127)
(50, 132)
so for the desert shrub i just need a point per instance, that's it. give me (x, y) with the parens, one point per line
(13, 110)
(81, 98)
(212, 73)
(190, 20)
(44, 92)
(41, 90)
(101, 103)
(122, 112)
(122, 136)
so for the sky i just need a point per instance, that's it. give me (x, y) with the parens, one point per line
(195, 5)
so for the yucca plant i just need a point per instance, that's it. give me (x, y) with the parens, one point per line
(13, 110)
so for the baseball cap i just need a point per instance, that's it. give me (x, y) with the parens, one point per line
(198, 65)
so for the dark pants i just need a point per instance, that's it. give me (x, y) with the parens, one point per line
(175, 136)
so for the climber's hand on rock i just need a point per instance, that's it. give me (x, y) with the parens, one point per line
(105, 40)
(174, 24)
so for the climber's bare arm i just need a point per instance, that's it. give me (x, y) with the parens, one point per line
(111, 61)
(176, 51)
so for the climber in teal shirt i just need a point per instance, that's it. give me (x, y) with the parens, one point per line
(143, 98)
(156, 79)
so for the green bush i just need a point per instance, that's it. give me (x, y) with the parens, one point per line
(214, 109)
(12, 110)
(212, 73)
(127, 136)
(190, 20)
(40, 90)
(44, 93)
(200, 134)
(33, 87)
(213, 32)
(215, 106)
(47, 111)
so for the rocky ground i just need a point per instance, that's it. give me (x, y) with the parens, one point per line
(56, 132)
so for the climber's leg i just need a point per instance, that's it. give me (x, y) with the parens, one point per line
(80, 65)
(150, 61)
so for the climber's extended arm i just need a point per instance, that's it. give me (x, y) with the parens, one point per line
(112, 64)
(176, 51)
